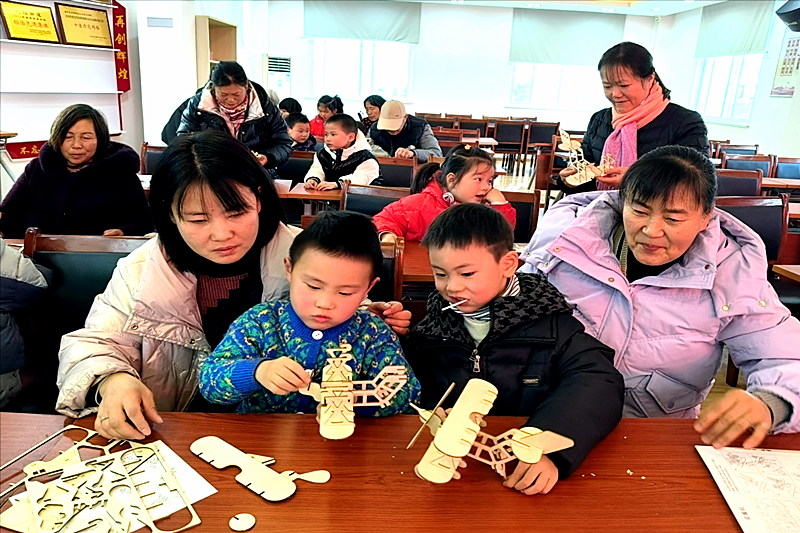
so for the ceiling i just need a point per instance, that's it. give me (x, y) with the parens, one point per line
(651, 8)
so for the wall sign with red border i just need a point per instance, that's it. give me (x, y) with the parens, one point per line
(27, 150)
(121, 44)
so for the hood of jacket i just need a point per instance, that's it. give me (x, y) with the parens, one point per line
(360, 144)
(117, 156)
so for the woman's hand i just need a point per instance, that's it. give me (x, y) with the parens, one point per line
(494, 197)
(567, 172)
(113, 233)
(537, 478)
(738, 411)
(404, 153)
(311, 184)
(262, 159)
(613, 177)
(126, 407)
(393, 314)
(327, 185)
(282, 376)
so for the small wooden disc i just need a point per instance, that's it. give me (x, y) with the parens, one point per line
(242, 522)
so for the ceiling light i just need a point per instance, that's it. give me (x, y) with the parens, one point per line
(605, 10)
(656, 9)
(529, 5)
(537, 5)
(610, 9)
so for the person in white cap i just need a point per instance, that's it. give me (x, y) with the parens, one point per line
(401, 135)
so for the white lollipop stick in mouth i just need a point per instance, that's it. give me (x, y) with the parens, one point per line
(453, 305)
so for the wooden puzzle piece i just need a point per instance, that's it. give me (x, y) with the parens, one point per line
(585, 171)
(336, 417)
(529, 444)
(317, 476)
(437, 466)
(242, 522)
(378, 392)
(255, 476)
(461, 427)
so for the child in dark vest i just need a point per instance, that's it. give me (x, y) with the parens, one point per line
(517, 332)
(302, 140)
(346, 155)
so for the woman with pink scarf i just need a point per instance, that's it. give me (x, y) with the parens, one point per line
(640, 119)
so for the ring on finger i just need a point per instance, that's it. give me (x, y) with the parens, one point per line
(103, 418)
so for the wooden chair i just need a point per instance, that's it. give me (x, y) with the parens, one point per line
(436, 159)
(714, 147)
(732, 182)
(369, 199)
(487, 117)
(149, 158)
(510, 137)
(540, 135)
(426, 115)
(787, 168)
(441, 122)
(749, 162)
(296, 167)
(526, 203)
(82, 267)
(526, 119)
(737, 149)
(446, 146)
(396, 171)
(458, 118)
(474, 124)
(445, 134)
(545, 170)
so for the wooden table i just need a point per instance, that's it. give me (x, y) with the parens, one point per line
(791, 272)
(716, 161)
(482, 141)
(373, 486)
(794, 210)
(416, 264)
(778, 183)
(310, 197)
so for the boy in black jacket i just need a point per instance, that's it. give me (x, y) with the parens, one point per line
(517, 332)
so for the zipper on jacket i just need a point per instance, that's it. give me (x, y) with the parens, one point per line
(476, 361)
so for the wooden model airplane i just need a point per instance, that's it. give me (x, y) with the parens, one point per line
(457, 433)
(338, 394)
(586, 171)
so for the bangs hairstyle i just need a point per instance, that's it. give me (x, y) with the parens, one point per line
(334, 103)
(340, 234)
(228, 73)
(661, 174)
(69, 117)
(463, 225)
(217, 163)
(375, 99)
(295, 118)
(290, 105)
(460, 161)
(633, 57)
(347, 123)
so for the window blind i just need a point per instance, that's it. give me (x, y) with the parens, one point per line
(367, 21)
(733, 28)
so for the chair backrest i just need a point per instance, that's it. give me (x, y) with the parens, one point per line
(544, 166)
(436, 159)
(541, 133)
(390, 285)
(487, 117)
(446, 146)
(714, 146)
(787, 167)
(509, 132)
(149, 158)
(296, 167)
(369, 199)
(441, 122)
(454, 115)
(737, 149)
(749, 162)
(396, 171)
(766, 215)
(426, 115)
(526, 203)
(474, 124)
(734, 182)
(527, 119)
(448, 134)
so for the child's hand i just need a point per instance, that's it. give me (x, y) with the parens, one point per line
(494, 197)
(327, 185)
(393, 314)
(538, 478)
(311, 184)
(282, 376)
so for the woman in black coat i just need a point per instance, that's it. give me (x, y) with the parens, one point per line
(80, 184)
(631, 84)
(232, 104)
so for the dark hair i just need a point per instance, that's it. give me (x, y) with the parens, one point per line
(227, 73)
(628, 55)
(464, 224)
(69, 117)
(661, 173)
(346, 122)
(460, 161)
(221, 163)
(290, 105)
(340, 234)
(295, 118)
(375, 99)
(334, 103)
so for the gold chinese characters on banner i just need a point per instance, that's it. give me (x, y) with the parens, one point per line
(84, 26)
(26, 22)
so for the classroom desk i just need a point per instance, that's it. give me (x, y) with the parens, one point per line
(310, 197)
(778, 183)
(482, 141)
(373, 486)
(416, 264)
(791, 272)
(794, 210)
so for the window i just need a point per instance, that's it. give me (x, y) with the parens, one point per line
(355, 69)
(725, 87)
(572, 87)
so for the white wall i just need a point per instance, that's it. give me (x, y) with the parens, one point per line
(131, 101)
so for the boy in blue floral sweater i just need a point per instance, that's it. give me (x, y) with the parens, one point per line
(268, 353)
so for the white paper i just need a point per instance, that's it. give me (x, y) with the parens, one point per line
(762, 487)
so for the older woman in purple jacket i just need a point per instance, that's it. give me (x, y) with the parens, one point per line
(664, 278)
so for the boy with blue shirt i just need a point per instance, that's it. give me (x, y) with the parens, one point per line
(265, 357)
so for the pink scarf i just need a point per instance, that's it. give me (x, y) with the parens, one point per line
(622, 143)
(233, 117)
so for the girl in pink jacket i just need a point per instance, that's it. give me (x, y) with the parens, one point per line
(466, 176)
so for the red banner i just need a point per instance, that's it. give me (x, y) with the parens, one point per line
(121, 44)
(27, 150)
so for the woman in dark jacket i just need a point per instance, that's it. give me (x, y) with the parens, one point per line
(80, 184)
(231, 103)
(640, 116)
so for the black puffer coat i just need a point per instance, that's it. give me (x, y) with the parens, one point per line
(538, 356)
(265, 134)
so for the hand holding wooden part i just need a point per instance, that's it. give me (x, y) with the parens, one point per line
(338, 394)
(457, 433)
(585, 171)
